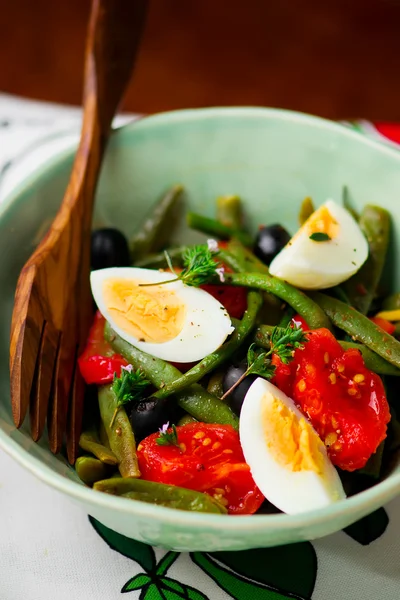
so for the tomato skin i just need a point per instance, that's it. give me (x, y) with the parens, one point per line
(234, 299)
(98, 362)
(345, 402)
(384, 324)
(209, 459)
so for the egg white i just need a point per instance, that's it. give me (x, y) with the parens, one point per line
(315, 265)
(205, 328)
(290, 491)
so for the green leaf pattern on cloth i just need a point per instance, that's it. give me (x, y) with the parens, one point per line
(281, 573)
(370, 528)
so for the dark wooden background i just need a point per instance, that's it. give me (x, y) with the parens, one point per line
(335, 58)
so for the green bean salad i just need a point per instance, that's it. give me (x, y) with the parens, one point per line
(247, 374)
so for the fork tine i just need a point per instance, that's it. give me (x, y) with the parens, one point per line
(26, 331)
(63, 370)
(41, 388)
(75, 415)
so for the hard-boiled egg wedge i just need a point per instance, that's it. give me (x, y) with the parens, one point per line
(173, 321)
(328, 249)
(287, 459)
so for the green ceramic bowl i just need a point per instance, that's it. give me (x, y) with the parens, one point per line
(273, 159)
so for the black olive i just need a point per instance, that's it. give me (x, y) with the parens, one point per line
(269, 242)
(236, 397)
(149, 415)
(109, 249)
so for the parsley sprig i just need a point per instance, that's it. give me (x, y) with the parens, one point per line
(168, 438)
(283, 342)
(199, 267)
(128, 387)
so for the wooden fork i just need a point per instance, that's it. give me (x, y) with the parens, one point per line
(52, 308)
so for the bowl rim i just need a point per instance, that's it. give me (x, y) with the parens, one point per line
(377, 495)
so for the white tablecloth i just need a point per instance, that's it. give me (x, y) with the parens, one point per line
(49, 550)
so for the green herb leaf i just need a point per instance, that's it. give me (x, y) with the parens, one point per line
(130, 385)
(319, 236)
(168, 438)
(199, 267)
(259, 363)
(284, 341)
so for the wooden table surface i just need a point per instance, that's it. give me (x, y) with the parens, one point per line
(335, 58)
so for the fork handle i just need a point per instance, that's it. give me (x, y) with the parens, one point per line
(115, 31)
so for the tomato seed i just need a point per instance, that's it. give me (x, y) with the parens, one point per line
(182, 446)
(215, 445)
(352, 391)
(330, 439)
(227, 451)
(207, 442)
(221, 499)
(340, 368)
(359, 378)
(332, 378)
(326, 358)
(301, 385)
(334, 422)
(199, 435)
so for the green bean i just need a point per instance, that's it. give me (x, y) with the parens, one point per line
(216, 229)
(158, 261)
(347, 204)
(162, 494)
(301, 303)
(360, 328)
(195, 400)
(306, 210)
(222, 354)
(90, 442)
(392, 302)
(91, 469)
(186, 419)
(157, 371)
(361, 288)
(287, 317)
(103, 435)
(249, 262)
(230, 211)
(215, 384)
(120, 435)
(373, 361)
(155, 231)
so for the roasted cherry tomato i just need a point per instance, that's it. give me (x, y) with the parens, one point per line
(234, 299)
(208, 459)
(345, 402)
(384, 324)
(98, 362)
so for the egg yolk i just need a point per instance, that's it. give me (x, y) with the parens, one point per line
(292, 442)
(149, 314)
(321, 221)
